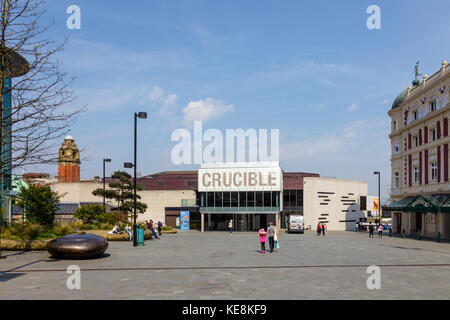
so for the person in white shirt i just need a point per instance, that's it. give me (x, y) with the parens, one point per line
(380, 231)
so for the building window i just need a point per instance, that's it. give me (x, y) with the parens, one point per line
(431, 217)
(433, 106)
(433, 134)
(396, 149)
(362, 203)
(251, 199)
(433, 167)
(416, 174)
(416, 141)
(242, 199)
(394, 126)
(259, 199)
(275, 199)
(415, 115)
(210, 199)
(234, 199)
(396, 180)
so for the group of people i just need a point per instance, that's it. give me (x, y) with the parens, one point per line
(379, 229)
(322, 229)
(271, 234)
(117, 230)
(152, 228)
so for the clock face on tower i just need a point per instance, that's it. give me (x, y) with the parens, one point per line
(69, 161)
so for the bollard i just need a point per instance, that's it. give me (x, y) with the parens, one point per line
(439, 237)
(403, 234)
(390, 232)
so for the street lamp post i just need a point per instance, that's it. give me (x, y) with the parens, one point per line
(140, 115)
(104, 186)
(379, 199)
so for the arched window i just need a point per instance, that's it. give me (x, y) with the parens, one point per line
(433, 105)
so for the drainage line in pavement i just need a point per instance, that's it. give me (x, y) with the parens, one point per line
(230, 267)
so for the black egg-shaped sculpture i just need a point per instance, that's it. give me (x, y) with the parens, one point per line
(77, 246)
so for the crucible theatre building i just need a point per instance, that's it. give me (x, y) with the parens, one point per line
(254, 194)
(248, 193)
(251, 193)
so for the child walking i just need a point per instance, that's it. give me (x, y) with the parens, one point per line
(262, 239)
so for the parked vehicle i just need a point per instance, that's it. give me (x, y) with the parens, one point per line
(296, 223)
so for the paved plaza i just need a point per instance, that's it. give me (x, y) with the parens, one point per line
(191, 265)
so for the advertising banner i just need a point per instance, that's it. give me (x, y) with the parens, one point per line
(184, 218)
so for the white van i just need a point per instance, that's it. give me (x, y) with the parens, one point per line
(296, 223)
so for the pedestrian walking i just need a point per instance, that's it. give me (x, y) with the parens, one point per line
(271, 233)
(380, 231)
(230, 226)
(371, 228)
(319, 229)
(262, 239)
(324, 229)
(277, 241)
(159, 227)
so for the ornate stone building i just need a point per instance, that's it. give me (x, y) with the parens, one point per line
(420, 137)
(69, 161)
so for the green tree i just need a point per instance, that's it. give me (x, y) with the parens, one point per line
(39, 204)
(89, 214)
(122, 192)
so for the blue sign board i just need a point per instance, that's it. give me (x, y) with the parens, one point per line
(184, 218)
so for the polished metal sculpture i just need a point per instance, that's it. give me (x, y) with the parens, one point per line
(77, 246)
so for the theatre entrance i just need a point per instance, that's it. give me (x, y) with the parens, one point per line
(241, 221)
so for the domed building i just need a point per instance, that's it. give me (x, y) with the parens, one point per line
(420, 138)
(69, 161)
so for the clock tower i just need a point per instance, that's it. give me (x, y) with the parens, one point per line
(69, 161)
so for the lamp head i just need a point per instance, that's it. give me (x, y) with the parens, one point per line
(142, 115)
(128, 165)
(107, 160)
(376, 172)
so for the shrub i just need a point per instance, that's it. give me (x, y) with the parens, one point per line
(39, 204)
(14, 231)
(105, 226)
(77, 224)
(90, 213)
(32, 231)
(166, 228)
(107, 217)
(88, 226)
(63, 229)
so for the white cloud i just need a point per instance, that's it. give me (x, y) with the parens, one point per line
(114, 97)
(352, 107)
(165, 102)
(352, 152)
(319, 106)
(326, 74)
(156, 93)
(356, 137)
(205, 110)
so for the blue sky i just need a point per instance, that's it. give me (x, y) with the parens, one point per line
(309, 68)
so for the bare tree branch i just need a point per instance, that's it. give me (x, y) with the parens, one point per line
(40, 115)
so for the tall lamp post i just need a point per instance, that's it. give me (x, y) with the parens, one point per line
(377, 173)
(140, 115)
(104, 184)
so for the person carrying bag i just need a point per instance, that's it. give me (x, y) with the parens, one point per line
(277, 242)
